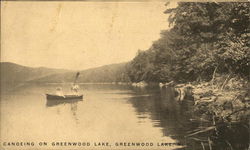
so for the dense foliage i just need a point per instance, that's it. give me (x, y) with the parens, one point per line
(203, 37)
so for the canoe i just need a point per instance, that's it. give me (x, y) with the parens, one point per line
(65, 97)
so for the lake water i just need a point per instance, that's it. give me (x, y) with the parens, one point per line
(113, 114)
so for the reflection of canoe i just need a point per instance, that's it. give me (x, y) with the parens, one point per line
(65, 97)
(51, 103)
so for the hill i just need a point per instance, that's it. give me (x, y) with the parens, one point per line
(107, 73)
(14, 74)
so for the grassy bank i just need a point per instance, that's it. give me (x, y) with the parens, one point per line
(222, 109)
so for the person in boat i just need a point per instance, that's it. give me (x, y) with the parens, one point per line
(59, 91)
(75, 89)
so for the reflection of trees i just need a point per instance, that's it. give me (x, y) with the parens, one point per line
(174, 119)
(171, 115)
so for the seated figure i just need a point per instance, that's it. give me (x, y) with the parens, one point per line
(59, 91)
(75, 89)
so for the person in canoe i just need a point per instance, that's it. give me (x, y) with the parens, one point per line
(75, 89)
(59, 92)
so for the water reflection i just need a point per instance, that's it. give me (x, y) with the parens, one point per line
(73, 106)
(52, 103)
(108, 112)
(175, 119)
(172, 116)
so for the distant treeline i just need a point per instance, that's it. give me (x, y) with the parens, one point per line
(104, 74)
(204, 38)
(12, 74)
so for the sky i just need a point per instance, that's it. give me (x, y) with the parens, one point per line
(78, 35)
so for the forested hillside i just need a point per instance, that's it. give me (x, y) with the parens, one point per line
(108, 73)
(204, 38)
(13, 74)
(208, 43)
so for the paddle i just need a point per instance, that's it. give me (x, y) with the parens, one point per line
(77, 75)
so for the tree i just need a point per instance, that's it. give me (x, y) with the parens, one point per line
(203, 36)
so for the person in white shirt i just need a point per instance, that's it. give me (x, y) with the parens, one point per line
(59, 91)
(75, 89)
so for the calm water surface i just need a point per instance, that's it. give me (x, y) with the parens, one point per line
(108, 113)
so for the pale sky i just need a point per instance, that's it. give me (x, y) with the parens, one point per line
(78, 35)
